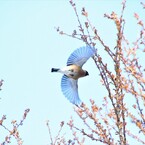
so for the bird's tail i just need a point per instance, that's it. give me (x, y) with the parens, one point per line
(55, 69)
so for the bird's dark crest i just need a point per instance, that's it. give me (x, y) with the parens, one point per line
(54, 69)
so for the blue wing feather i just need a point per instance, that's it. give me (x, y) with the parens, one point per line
(69, 88)
(80, 56)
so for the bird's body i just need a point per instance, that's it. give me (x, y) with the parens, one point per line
(73, 71)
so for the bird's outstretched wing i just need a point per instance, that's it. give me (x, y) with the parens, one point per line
(69, 88)
(80, 56)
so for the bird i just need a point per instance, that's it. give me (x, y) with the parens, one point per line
(73, 71)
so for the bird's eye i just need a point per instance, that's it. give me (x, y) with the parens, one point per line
(71, 70)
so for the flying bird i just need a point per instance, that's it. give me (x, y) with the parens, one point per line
(73, 71)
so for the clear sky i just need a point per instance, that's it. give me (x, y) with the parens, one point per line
(30, 46)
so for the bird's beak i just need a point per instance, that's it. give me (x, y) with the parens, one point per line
(86, 73)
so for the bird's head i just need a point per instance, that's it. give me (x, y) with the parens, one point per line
(86, 74)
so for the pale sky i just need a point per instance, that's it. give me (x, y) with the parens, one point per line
(30, 47)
